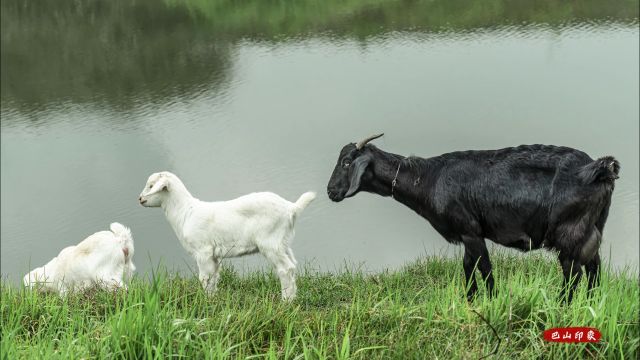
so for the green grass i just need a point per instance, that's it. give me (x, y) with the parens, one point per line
(418, 312)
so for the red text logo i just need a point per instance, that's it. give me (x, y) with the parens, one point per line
(572, 335)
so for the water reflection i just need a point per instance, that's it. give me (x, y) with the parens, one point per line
(120, 53)
(115, 53)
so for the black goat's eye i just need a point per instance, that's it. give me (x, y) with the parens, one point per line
(346, 163)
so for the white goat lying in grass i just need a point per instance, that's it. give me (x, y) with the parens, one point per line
(103, 259)
(210, 231)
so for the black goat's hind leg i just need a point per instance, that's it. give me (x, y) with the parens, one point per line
(572, 271)
(593, 272)
(591, 258)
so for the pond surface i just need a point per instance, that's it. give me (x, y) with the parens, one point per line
(261, 96)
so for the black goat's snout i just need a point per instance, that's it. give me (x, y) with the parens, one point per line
(332, 193)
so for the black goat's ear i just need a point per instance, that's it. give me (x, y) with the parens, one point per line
(358, 167)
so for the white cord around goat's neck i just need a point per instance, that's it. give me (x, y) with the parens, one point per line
(395, 179)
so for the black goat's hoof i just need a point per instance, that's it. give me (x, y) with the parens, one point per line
(564, 299)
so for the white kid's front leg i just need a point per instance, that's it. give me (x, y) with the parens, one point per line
(208, 268)
(116, 283)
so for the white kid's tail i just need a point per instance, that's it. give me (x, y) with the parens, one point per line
(304, 200)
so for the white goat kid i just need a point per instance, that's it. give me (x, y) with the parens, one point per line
(103, 259)
(210, 231)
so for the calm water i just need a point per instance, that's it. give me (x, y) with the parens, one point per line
(98, 95)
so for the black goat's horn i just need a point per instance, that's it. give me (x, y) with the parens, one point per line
(364, 142)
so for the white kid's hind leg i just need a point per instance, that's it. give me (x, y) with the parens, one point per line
(285, 268)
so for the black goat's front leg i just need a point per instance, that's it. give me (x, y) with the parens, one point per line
(593, 272)
(469, 265)
(572, 271)
(475, 254)
(484, 265)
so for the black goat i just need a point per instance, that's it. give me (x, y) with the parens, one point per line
(524, 197)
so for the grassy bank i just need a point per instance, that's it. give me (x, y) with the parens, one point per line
(417, 312)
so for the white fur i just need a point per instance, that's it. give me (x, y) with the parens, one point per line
(210, 231)
(104, 258)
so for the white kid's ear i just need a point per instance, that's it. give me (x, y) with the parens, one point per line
(160, 185)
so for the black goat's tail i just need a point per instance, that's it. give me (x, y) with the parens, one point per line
(604, 169)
